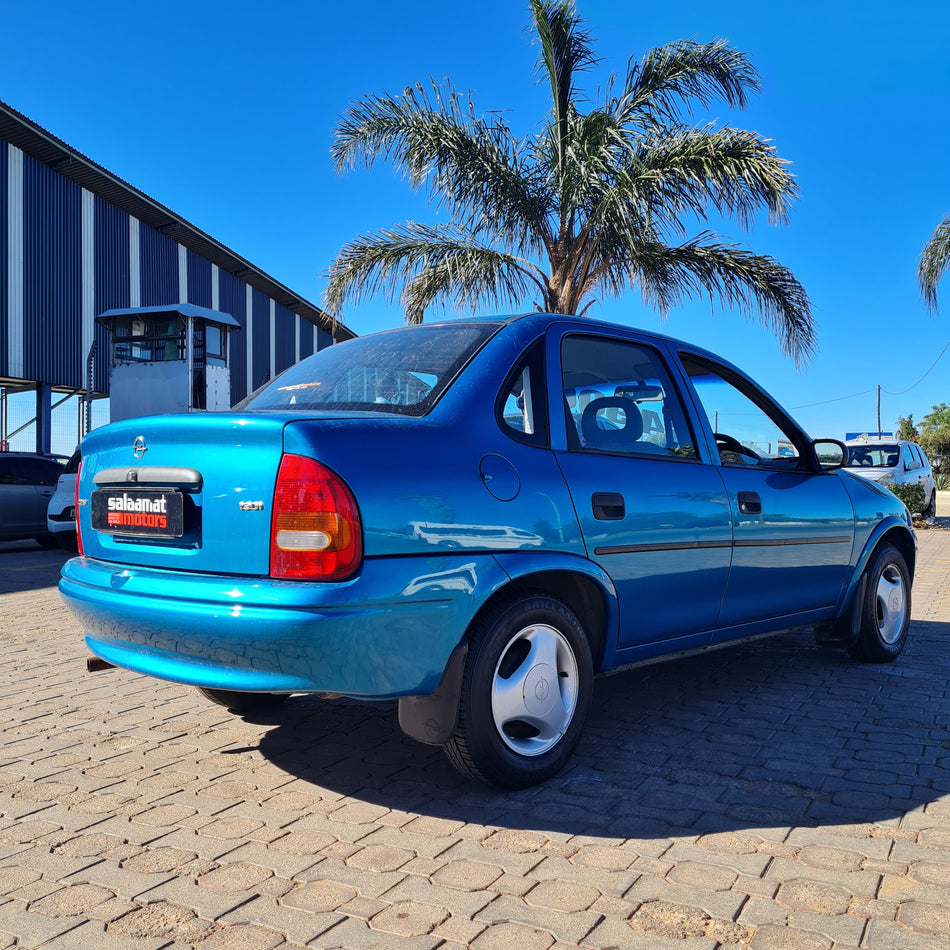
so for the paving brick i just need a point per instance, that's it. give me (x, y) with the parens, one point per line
(775, 769)
(305, 926)
(569, 926)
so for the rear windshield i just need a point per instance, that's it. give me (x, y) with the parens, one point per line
(401, 371)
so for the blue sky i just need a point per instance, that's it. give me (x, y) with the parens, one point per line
(225, 113)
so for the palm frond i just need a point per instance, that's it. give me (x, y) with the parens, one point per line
(565, 50)
(669, 78)
(934, 261)
(420, 264)
(731, 170)
(757, 285)
(471, 166)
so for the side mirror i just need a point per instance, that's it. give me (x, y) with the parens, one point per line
(829, 454)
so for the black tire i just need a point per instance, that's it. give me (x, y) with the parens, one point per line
(521, 649)
(931, 510)
(885, 611)
(239, 702)
(46, 540)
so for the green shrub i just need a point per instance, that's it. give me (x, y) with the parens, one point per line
(910, 495)
(942, 482)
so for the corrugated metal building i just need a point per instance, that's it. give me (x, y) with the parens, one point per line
(75, 241)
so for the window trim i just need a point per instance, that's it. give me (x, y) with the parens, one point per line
(532, 360)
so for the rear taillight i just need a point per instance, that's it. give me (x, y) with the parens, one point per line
(315, 531)
(76, 510)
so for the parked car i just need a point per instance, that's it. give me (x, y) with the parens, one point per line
(61, 511)
(893, 462)
(476, 518)
(27, 482)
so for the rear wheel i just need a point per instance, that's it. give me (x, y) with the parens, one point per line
(240, 702)
(885, 610)
(526, 692)
(46, 540)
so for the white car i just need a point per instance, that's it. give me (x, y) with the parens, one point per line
(61, 511)
(893, 462)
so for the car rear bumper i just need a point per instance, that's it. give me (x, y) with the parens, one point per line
(387, 633)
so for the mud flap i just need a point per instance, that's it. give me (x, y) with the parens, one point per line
(432, 719)
(843, 631)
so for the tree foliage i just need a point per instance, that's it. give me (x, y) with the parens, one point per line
(934, 261)
(906, 430)
(935, 433)
(592, 205)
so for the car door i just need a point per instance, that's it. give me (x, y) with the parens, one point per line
(22, 507)
(654, 516)
(793, 525)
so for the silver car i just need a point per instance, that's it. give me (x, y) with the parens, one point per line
(893, 462)
(61, 512)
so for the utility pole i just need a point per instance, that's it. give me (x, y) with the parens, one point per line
(878, 410)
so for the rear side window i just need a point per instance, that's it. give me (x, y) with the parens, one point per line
(400, 371)
(521, 408)
(29, 471)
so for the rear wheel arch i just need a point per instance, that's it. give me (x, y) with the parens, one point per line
(581, 594)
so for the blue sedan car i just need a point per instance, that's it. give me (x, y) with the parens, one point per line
(476, 518)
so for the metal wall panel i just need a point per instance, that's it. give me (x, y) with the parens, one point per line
(284, 338)
(4, 259)
(260, 339)
(52, 270)
(305, 337)
(159, 258)
(232, 299)
(113, 279)
(199, 280)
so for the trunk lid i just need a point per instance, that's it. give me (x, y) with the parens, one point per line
(218, 470)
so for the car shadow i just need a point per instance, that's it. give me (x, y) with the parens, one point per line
(25, 566)
(779, 733)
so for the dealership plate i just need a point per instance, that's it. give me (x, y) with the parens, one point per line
(143, 514)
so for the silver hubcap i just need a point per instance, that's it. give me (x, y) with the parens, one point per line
(891, 604)
(534, 690)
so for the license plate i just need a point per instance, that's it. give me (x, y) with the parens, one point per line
(142, 514)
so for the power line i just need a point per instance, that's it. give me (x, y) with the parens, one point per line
(838, 399)
(922, 378)
(903, 392)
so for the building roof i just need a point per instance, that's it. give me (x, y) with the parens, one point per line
(184, 309)
(46, 148)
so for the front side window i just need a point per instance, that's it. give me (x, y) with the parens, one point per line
(910, 460)
(747, 428)
(619, 398)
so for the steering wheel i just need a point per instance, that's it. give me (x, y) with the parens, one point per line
(731, 444)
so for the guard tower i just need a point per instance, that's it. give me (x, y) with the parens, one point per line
(168, 359)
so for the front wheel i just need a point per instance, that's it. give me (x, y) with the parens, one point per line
(526, 692)
(240, 702)
(885, 610)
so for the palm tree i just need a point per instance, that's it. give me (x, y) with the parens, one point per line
(590, 206)
(934, 261)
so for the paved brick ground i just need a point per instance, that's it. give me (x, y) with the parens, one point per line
(770, 796)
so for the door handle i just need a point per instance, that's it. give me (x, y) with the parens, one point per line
(749, 503)
(608, 506)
